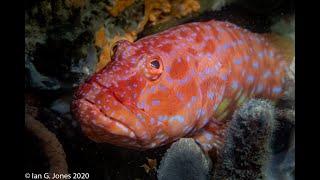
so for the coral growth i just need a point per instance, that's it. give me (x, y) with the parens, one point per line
(164, 10)
(152, 165)
(118, 6)
(184, 160)
(51, 145)
(154, 12)
(106, 44)
(247, 146)
(60, 34)
(36, 80)
(76, 3)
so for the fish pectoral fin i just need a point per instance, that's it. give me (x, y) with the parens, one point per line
(211, 136)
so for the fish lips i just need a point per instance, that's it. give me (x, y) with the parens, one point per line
(104, 119)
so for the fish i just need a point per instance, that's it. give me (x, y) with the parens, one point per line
(183, 82)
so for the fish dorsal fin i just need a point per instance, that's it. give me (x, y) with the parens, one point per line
(285, 45)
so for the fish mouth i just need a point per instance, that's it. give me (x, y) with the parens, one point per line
(117, 122)
(102, 127)
(104, 118)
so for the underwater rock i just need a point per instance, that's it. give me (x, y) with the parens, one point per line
(288, 164)
(59, 34)
(85, 67)
(76, 3)
(247, 144)
(282, 165)
(49, 142)
(38, 81)
(216, 5)
(186, 161)
(284, 26)
(34, 36)
(61, 106)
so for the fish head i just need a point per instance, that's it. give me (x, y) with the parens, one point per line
(142, 99)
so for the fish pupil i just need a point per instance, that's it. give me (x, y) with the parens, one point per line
(155, 64)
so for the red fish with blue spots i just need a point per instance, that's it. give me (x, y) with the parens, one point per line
(183, 82)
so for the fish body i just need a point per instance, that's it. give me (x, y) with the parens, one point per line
(183, 82)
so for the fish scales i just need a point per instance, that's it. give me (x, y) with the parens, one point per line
(185, 81)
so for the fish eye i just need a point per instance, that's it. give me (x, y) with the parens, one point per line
(155, 64)
(153, 68)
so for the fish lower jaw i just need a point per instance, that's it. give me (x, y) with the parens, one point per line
(102, 128)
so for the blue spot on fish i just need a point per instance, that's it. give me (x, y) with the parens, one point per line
(184, 80)
(153, 89)
(266, 74)
(179, 96)
(139, 116)
(235, 85)
(142, 105)
(162, 87)
(246, 58)
(260, 88)
(138, 124)
(250, 79)
(211, 95)
(162, 118)
(134, 95)
(224, 77)
(255, 65)
(271, 54)
(226, 46)
(237, 61)
(240, 42)
(178, 118)
(193, 99)
(208, 135)
(169, 79)
(260, 54)
(276, 90)
(152, 120)
(155, 102)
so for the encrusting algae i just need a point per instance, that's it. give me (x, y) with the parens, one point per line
(106, 43)
(155, 11)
